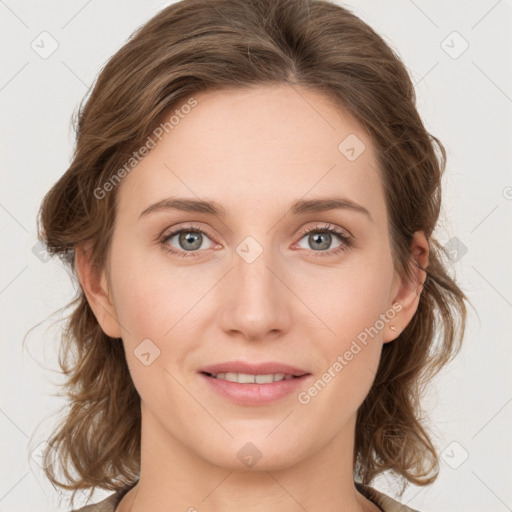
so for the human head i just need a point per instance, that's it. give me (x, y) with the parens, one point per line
(316, 47)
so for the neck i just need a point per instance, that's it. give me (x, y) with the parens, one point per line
(174, 477)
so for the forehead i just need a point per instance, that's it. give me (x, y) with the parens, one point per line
(256, 148)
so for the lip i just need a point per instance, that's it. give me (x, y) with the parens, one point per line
(264, 368)
(254, 394)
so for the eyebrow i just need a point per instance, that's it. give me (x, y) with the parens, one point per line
(299, 207)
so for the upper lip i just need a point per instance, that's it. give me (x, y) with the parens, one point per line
(265, 368)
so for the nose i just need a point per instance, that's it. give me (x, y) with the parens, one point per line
(256, 302)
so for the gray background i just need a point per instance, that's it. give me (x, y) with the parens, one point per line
(465, 99)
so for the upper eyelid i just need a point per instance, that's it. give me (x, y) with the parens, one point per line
(320, 226)
(327, 226)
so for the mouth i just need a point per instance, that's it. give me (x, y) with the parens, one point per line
(254, 389)
(243, 372)
(247, 378)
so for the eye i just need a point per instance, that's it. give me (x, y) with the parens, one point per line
(189, 240)
(320, 237)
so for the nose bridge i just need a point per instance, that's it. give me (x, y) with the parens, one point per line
(255, 303)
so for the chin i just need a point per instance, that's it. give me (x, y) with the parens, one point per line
(244, 454)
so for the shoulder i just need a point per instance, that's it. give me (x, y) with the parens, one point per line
(385, 502)
(107, 505)
(110, 503)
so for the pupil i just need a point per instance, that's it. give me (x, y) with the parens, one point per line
(189, 237)
(325, 244)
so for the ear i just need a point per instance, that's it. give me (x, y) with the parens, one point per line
(407, 292)
(95, 286)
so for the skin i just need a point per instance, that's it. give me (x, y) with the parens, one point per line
(254, 152)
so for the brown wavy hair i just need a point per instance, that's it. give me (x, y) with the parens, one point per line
(194, 46)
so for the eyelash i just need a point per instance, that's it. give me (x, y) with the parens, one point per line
(345, 239)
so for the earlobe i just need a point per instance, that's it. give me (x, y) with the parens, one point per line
(407, 297)
(95, 286)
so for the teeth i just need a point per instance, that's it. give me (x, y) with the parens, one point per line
(244, 378)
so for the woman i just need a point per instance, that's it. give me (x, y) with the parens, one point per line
(249, 213)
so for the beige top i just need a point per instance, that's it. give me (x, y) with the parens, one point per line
(384, 502)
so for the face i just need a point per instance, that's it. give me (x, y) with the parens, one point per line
(270, 277)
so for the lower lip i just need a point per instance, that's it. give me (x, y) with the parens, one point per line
(254, 394)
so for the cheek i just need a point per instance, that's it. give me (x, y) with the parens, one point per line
(151, 294)
(140, 306)
(149, 301)
(362, 314)
(352, 305)
(159, 302)
(349, 299)
(351, 302)
(148, 294)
